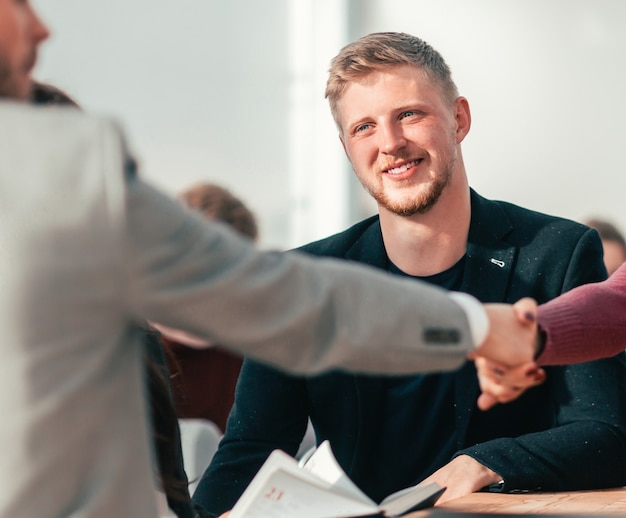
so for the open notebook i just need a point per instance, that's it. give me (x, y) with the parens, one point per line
(319, 488)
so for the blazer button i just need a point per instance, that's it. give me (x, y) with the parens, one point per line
(437, 335)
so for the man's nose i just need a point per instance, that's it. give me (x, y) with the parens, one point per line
(39, 29)
(391, 138)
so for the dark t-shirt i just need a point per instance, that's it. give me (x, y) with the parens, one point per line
(419, 410)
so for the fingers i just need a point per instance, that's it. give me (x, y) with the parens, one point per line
(510, 341)
(524, 376)
(539, 376)
(500, 384)
(486, 401)
(493, 394)
(504, 361)
(526, 310)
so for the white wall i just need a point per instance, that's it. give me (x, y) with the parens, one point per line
(216, 90)
(201, 85)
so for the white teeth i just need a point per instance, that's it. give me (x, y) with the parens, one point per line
(402, 169)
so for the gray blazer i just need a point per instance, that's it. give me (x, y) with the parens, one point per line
(87, 251)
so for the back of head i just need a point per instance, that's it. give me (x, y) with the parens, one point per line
(383, 50)
(217, 203)
(607, 231)
(613, 243)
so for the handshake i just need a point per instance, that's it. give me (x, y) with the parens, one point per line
(505, 361)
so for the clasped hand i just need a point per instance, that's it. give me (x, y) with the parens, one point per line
(505, 360)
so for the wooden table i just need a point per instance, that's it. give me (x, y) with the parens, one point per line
(610, 502)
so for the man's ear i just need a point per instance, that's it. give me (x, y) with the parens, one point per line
(463, 118)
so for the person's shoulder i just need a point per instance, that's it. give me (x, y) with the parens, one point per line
(59, 139)
(526, 220)
(62, 118)
(337, 244)
(59, 130)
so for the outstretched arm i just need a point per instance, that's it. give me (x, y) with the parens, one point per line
(337, 313)
(586, 323)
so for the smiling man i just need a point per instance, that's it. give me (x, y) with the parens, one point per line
(401, 122)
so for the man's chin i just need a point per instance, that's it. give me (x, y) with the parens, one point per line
(417, 203)
(25, 90)
(408, 208)
(412, 210)
(16, 90)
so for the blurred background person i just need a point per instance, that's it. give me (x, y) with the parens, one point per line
(613, 243)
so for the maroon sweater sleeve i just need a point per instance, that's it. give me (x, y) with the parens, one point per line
(586, 323)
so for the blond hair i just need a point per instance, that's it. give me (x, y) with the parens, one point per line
(383, 50)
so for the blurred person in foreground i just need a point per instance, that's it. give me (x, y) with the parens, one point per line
(172, 487)
(613, 243)
(89, 252)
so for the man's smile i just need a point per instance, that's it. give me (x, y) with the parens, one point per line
(403, 169)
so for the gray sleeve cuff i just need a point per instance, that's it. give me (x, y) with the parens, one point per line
(476, 316)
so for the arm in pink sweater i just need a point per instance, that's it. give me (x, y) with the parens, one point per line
(586, 323)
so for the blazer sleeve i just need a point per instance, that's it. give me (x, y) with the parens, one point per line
(291, 310)
(270, 412)
(586, 446)
(586, 323)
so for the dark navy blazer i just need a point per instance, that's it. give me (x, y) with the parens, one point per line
(567, 434)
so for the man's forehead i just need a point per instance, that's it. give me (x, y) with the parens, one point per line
(405, 89)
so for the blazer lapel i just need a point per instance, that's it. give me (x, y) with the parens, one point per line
(488, 274)
(490, 258)
(369, 248)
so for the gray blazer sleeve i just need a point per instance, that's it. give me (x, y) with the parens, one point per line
(293, 311)
(88, 251)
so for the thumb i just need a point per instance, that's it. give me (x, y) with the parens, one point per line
(486, 401)
(526, 310)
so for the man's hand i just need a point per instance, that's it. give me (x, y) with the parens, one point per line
(461, 476)
(501, 384)
(512, 334)
(505, 361)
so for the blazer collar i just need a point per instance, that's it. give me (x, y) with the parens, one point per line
(489, 257)
(369, 248)
(488, 274)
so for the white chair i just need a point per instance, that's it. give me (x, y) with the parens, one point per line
(199, 440)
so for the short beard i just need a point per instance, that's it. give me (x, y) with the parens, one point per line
(9, 87)
(422, 204)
